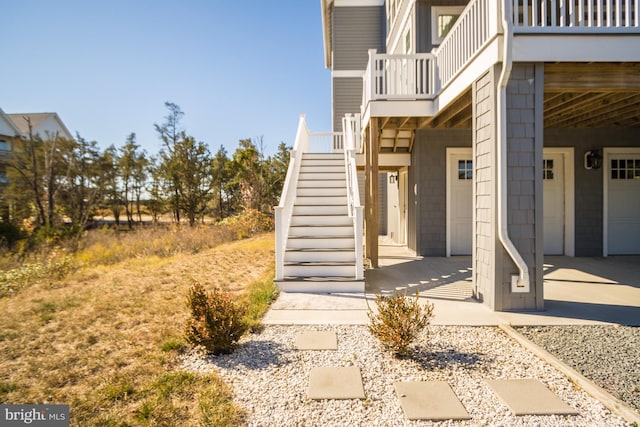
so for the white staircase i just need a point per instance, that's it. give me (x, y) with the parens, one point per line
(320, 252)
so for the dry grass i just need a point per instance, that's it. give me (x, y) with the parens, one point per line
(105, 339)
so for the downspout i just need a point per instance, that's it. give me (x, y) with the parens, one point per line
(521, 282)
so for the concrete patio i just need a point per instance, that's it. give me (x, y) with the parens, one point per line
(577, 291)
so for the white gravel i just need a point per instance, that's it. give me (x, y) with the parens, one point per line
(270, 378)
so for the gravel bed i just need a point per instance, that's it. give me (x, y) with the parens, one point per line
(607, 355)
(270, 378)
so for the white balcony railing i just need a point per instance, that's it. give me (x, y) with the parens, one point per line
(423, 76)
(576, 16)
(399, 76)
(326, 142)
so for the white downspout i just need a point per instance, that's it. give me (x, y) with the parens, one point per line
(518, 283)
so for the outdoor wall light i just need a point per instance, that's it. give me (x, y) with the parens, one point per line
(393, 178)
(592, 160)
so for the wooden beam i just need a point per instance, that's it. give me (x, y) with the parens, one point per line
(413, 138)
(605, 113)
(395, 140)
(458, 106)
(385, 122)
(592, 77)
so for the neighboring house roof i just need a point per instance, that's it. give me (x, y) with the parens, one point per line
(7, 127)
(41, 123)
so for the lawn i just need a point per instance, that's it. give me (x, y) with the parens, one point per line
(106, 338)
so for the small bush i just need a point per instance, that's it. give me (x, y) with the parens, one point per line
(217, 320)
(399, 321)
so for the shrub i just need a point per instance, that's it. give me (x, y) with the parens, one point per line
(399, 321)
(217, 320)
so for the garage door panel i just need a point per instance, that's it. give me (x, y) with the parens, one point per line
(623, 209)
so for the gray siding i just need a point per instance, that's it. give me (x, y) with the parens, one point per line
(429, 160)
(524, 176)
(484, 183)
(588, 189)
(347, 98)
(355, 31)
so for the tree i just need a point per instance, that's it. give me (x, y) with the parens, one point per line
(82, 187)
(131, 165)
(170, 134)
(109, 165)
(221, 172)
(247, 168)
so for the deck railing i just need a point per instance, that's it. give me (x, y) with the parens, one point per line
(399, 76)
(475, 27)
(326, 142)
(423, 76)
(576, 16)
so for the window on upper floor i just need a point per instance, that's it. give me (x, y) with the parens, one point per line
(442, 20)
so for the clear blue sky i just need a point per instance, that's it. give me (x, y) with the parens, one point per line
(238, 69)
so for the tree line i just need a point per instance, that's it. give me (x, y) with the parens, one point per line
(56, 183)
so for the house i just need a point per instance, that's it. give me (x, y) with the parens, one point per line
(16, 126)
(509, 128)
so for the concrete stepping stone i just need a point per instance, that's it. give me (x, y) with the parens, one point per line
(430, 400)
(317, 340)
(335, 383)
(529, 397)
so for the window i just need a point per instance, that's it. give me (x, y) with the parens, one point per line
(442, 20)
(4, 145)
(465, 169)
(625, 169)
(547, 169)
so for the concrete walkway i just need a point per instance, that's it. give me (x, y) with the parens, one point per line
(578, 291)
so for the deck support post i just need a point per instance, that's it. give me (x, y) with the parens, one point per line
(371, 193)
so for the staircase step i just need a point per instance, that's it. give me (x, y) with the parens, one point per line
(321, 191)
(320, 242)
(321, 285)
(323, 176)
(319, 269)
(322, 169)
(320, 230)
(320, 255)
(323, 162)
(322, 156)
(322, 183)
(314, 219)
(320, 210)
(321, 201)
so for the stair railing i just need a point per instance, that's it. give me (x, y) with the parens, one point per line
(284, 210)
(351, 129)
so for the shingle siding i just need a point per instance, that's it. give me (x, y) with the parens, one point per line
(347, 98)
(355, 31)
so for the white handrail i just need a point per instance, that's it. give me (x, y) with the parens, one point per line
(285, 208)
(351, 129)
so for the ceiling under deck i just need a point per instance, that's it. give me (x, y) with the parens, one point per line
(575, 96)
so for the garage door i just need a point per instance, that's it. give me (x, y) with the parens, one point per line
(623, 205)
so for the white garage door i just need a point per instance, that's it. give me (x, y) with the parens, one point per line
(623, 206)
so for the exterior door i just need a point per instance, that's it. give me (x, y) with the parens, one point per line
(461, 203)
(623, 206)
(403, 197)
(553, 203)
